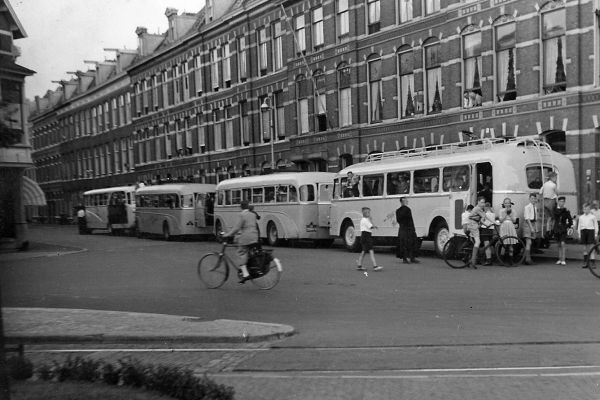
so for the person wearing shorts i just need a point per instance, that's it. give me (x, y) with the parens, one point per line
(529, 227)
(587, 226)
(475, 219)
(366, 240)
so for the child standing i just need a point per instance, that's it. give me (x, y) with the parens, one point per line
(587, 225)
(464, 218)
(366, 240)
(563, 223)
(487, 231)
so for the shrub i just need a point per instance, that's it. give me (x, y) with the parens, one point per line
(176, 382)
(19, 368)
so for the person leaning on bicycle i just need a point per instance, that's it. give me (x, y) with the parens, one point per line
(247, 228)
(475, 220)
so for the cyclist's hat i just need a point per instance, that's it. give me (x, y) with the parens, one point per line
(244, 204)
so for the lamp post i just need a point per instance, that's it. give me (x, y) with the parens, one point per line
(266, 107)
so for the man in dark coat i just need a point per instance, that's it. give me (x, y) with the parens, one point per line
(407, 237)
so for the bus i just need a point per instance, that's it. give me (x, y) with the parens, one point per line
(291, 205)
(175, 210)
(111, 209)
(440, 181)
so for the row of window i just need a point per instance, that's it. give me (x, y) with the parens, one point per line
(99, 118)
(280, 194)
(165, 200)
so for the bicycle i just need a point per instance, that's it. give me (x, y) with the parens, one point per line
(509, 250)
(265, 270)
(591, 260)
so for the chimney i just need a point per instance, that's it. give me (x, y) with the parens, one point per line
(147, 42)
(38, 106)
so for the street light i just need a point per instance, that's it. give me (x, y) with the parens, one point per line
(263, 108)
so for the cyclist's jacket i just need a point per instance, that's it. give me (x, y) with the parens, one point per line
(246, 227)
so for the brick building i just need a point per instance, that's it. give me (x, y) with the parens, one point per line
(16, 190)
(248, 85)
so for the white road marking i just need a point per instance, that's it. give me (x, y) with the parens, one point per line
(143, 350)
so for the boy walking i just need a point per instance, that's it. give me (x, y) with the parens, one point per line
(587, 226)
(366, 240)
(563, 223)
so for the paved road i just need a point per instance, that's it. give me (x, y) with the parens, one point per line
(393, 328)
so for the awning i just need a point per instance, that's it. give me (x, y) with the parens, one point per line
(33, 195)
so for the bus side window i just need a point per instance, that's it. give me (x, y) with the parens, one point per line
(220, 201)
(455, 178)
(307, 193)
(426, 180)
(257, 195)
(246, 194)
(235, 196)
(228, 197)
(269, 194)
(372, 185)
(282, 194)
(293, 194)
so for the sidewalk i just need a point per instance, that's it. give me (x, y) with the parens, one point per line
(55, 325)
(37, 249)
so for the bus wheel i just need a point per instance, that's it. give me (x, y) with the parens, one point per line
(166, 232)
(272, 234)
(349, 236)
(440, 237)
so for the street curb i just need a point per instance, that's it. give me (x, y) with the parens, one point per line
(114, 339)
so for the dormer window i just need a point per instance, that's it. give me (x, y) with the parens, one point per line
(210, 9)
(5, 42)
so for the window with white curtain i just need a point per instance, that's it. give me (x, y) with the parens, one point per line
(262, 51)
(505, 62)
(242, 58)
(432, 6)
(375, 91)
(217, 130)
(374, 15)
(279, 115)
(214, 67)
(472, 94)
(405, 10)
(300, 34)
(554, 50)
(244, 123)
(317, 28)
(302, 104)
(343, 18)
(344, 96)
(228, 128)
(406, 83)
(433, 71)
(227, 64)
(277, 46)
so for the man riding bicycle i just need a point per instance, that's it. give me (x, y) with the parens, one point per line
(247, 228)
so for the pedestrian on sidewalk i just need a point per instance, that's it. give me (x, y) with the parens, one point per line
(407, 236)
(587, 226)
(529, 226)
(508, 218)
(81, 220)
(366, 240)
(563, 227)
(549, 193)
(487, 231)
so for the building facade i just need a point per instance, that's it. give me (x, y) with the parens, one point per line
(245, 87)
(16, 190)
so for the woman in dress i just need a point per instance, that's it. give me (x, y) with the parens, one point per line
(508, 218)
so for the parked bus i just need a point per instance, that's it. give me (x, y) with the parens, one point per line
(112, 209)
(440, 181)
(291, 205)
(175, 210)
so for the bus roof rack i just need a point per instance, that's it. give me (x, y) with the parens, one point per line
(457, 147)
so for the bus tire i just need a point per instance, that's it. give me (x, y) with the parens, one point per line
(166, 232)
(349, 237)
(441, 234)
(272, 234)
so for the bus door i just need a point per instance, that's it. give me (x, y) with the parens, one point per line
(117, 212)
(200, 210)
(458, 181)
(325, 191)
(484, 185)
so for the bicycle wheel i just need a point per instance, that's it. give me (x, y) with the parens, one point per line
(510, 251)
(213, 270)
(593, 262)
(457, 251)
(271, 277)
